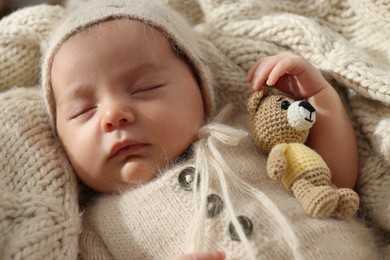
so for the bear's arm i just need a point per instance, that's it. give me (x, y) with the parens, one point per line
(277, 163)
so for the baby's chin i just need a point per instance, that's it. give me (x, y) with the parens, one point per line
(135, 173)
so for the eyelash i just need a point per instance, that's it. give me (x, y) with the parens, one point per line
(147, 88)
(81, 112)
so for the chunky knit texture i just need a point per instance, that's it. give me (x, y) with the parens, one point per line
(21, 35)
(39, 217)
(347, 40)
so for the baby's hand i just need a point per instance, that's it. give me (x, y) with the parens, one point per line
(287, 72)
(217, 255)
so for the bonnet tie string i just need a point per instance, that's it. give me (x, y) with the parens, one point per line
(211, 164)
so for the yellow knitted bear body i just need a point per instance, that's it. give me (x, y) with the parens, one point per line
(303, 161)
(280, 126)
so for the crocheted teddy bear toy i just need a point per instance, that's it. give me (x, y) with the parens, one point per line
(280, 127)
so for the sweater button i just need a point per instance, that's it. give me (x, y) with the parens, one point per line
(187, 178)
(214, 205)
(246, 225)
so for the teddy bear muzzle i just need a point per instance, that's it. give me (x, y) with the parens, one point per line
(301, 115)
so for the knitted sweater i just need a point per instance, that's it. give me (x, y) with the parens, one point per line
(155, 220)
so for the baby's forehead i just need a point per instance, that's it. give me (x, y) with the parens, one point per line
(131, 34)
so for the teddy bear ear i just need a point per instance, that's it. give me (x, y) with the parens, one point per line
(254, 101)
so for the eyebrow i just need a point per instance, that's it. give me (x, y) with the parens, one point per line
(78, 91)
(146, 67)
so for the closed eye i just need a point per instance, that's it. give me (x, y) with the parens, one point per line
(83, 113)
(146, 89)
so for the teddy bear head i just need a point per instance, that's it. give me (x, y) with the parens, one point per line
(276, 119)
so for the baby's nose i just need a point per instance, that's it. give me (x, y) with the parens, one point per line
(115, 118)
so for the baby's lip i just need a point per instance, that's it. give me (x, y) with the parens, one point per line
(125, 148)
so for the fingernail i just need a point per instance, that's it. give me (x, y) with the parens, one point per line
(252, 89)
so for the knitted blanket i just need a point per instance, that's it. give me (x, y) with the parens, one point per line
(39, 216)
(347, 40)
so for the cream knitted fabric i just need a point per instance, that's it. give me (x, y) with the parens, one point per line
(153, 13)
(39, 217)
(20, 37)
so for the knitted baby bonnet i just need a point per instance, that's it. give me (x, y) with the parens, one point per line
(151, 12)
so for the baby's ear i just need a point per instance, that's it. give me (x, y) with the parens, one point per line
(254, 101)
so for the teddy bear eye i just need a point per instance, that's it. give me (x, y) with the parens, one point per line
(285, 104)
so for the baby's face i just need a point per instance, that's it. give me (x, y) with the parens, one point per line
(126, 105)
